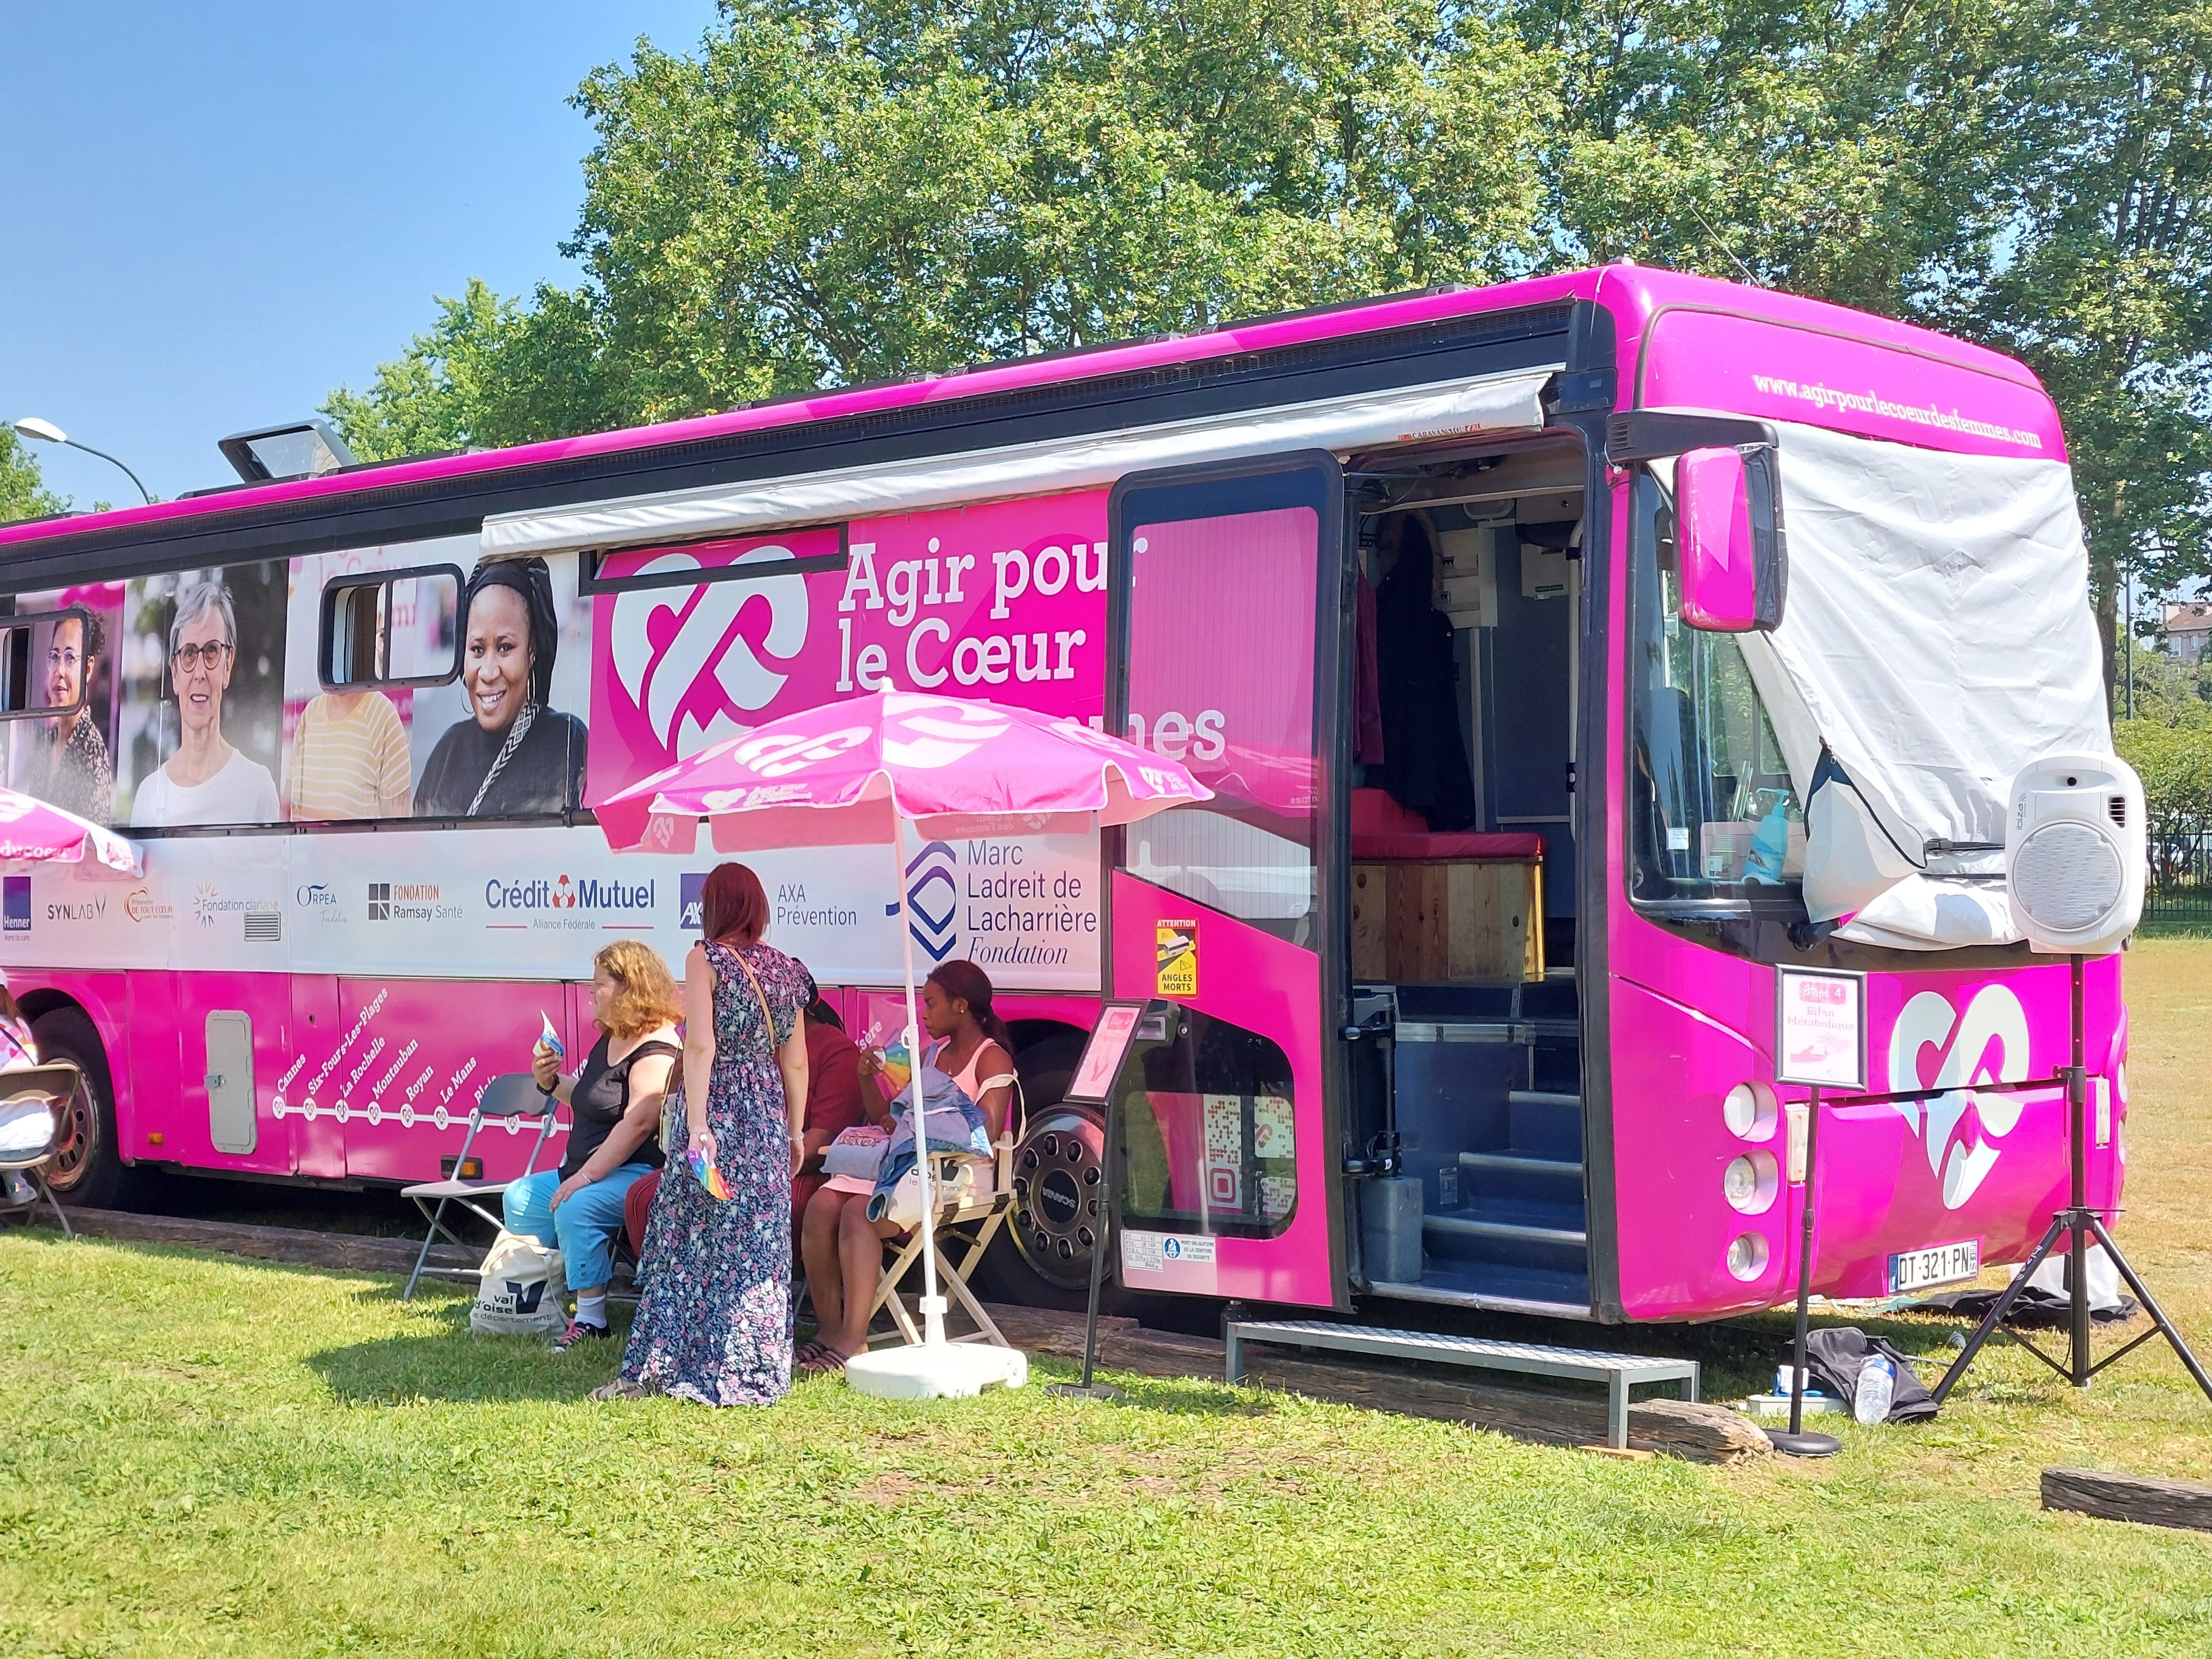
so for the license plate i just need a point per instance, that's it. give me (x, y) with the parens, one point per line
(1938, 1264)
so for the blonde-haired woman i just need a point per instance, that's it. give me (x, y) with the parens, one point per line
(614, 1104)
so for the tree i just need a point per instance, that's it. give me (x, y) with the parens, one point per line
(22, 494)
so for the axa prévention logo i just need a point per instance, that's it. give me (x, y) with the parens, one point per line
(1962, 1129)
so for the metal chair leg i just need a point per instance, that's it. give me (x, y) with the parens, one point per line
(38, 1180)
(423, 1256)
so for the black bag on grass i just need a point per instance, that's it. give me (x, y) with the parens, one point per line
(1833, 1358)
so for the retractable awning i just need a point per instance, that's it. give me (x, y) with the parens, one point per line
(1495, 403)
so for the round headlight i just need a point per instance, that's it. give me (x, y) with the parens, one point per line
(1751, 1182)
(1747, 1255)
(1750, 1112)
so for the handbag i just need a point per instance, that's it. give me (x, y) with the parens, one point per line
(674, 1137)
(857, 1151)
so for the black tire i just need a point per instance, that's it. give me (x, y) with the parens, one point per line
(1039, 1258)
(89, 1169)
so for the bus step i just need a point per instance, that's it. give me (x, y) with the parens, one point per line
(1542, 1124)
(1541, 1097)
(1510, 1163)
(1515, 1233)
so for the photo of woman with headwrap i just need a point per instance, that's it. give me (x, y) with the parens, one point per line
(514, 755)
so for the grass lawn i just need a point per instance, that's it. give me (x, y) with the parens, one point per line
(199, 1456)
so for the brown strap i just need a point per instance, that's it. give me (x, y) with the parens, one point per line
(773, 1042)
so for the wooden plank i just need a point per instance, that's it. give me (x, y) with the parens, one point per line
(1419, 899)
(1371, 922)
(1701, 1433)
(1492, 928)
(354, 1252)
(2150, 1500)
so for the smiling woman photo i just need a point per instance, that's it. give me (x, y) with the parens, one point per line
(512, 756)
(207, 781)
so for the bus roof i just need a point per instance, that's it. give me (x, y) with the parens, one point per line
(1634, 296)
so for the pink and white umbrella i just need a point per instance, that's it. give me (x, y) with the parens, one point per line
(847, 774)
(33, 834)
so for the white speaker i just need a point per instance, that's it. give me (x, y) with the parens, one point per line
(2075, 847)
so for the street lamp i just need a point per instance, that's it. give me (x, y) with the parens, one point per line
(47, 433)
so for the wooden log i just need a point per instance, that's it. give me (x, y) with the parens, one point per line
(354, 1252)
(2145, 1498)
(1701, 1433)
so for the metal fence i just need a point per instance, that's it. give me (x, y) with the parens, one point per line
(2179, 905)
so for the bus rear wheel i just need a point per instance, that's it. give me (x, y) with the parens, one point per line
(1042, 1257)
(88, 1168)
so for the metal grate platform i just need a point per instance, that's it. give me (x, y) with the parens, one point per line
(1618, 1371)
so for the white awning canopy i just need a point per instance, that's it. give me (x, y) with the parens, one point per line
(1495, 403)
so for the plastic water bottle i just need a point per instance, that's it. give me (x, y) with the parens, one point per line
(1770, 845)
(1877, 1385)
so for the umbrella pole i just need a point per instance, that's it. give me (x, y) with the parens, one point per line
(932, 1304)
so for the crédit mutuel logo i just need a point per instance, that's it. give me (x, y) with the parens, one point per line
(566, 901)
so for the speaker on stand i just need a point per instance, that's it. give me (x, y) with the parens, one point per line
(2074, 867)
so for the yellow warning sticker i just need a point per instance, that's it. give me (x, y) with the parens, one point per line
(1178, 958)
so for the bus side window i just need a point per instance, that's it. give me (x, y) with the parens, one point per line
(394, 628)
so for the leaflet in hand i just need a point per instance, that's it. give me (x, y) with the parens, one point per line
(704, 1172)
(550, 1039)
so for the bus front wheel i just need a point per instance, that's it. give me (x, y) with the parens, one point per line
(88, 1168)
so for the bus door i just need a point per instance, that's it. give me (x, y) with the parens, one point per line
(1228, 640)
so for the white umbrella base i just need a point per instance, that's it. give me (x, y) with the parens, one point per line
(936, 1370)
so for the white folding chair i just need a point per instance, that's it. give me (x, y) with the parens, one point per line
(515, 1094)
(50, 1086)
(966, 1223)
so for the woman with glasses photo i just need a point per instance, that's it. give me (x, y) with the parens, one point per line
(207, 781)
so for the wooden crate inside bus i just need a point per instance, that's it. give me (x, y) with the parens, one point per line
(1443, 921)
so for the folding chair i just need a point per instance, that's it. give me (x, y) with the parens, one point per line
(49, 1085)
(966, 1223)
(513, 1094)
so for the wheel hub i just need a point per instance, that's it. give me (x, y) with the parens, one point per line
(1059, 1196)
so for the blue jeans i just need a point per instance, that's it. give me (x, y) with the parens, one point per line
(584, 1226)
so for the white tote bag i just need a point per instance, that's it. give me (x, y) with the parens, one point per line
(520, 1289)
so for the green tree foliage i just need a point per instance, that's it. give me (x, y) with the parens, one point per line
(22, 494)
(829, 191)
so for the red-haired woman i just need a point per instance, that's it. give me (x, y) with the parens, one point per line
(713, 1319)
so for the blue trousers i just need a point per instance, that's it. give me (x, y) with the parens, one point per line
(584, 1226)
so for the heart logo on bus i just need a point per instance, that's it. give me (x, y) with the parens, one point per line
(700, 663)
(1958, 1129)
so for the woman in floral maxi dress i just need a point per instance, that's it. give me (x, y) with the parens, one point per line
(714, 1318)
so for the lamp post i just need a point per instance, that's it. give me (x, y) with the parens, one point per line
(47, 433)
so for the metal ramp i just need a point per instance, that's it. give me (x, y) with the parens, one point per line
(1618, 1371)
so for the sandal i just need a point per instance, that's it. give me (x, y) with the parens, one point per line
(826, 1361)
(621, 1388)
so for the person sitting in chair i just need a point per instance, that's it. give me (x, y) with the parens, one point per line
(842, 1247)
(614, 1104)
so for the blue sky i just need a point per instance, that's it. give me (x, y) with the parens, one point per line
(211, 215)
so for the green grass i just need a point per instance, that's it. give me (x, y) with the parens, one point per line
(204, 1455)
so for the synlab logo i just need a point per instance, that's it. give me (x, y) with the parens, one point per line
(14, 904)
(1988, 1044)
(694, 905)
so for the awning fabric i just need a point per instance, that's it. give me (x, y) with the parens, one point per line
(1937, 636)
(1494, 403)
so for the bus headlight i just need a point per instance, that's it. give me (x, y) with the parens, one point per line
(1749, 1110)
(1751, 1182)
(1747, 1255)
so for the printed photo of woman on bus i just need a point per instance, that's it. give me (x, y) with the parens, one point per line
(69, 765)
(207, 780)
(512, 756)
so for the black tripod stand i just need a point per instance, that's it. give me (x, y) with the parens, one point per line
(2079, 1223)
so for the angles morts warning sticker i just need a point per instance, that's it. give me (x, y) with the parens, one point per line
(1177, 974)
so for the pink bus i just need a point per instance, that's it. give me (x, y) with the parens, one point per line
(1463, 989)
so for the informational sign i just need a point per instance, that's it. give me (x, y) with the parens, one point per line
(1102, 1055)
(1177, 974)
(1819, 1028)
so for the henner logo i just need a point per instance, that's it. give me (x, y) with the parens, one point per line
(14, 904)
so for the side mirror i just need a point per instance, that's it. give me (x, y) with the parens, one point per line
(1728, 525)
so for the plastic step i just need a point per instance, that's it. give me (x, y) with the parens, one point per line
(1515, 1232)
(1510, 1163)
(1542, 1097)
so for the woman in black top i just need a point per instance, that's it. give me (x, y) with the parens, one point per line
(512, 756)
(614, 1104)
